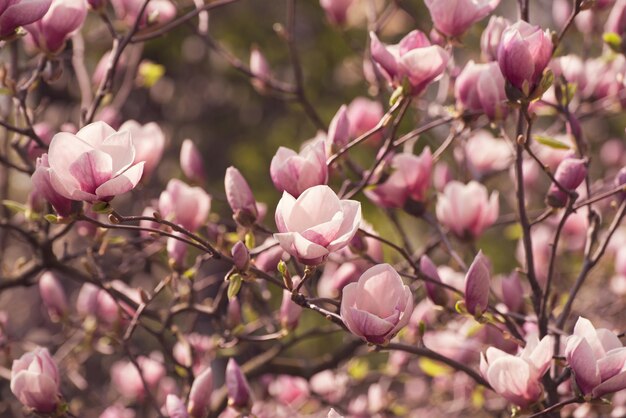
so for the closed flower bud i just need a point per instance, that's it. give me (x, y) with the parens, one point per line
(241, 256)
(61, 21)
(191, 162)
(175, 407)
(200, 394)
(53, 296)
(233, 313)
(289, 310)
(513, 293)
(477, 281)
(413, 61)
(436, 293)
(570, 173)
(238, 389)
(523, 54)
(490, 39)
(35, 381)
(14, 14)
(336, 10)
(338, 131)
(184, 205)
(378, 306)
(294, 173)
(454, 17)
(260, 69)
(176, 251)
(616, 22)
(620, 180)
(240, 198)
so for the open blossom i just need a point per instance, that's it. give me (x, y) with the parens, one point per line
(409, 180)
(61, 21)
(413, 60)
(16, 13)
(294, 173)
(480, 88)
(96, 164)
(185, 205)
(117, 411)
(35, 380)
(523, 54)
(378, 305)
(518, 378)
(454, 17)
(486, 154)
(363, 114)
(128, 381)
(597, 359)
(316, 223)
(466, 209)
(149, 142)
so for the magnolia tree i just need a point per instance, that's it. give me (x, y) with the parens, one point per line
(449, 242)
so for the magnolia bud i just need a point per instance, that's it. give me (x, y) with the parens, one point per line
(336, 10)
(490, 39)
(191, 162)
(237, 386)
(260, 69)
(289, 311)
(434, 292)
(233, 313)
(200, 394)
(620, 180)
(241, 256)
(338, 131)
(53, 295)
(176, 250)
(513, 293)
(175, 407)
(240, 198)
(477, 285)
(570, 173)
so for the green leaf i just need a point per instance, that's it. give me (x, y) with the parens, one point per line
(397, 94)
(434, 368)
(249, 240)
(150, 73)
(14, 206)
(102, 207)
(234, 285)
(613, 40)
(550, 142)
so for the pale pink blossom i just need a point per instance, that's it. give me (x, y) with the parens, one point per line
(316, 224)
(378, 306)
(336, 10)
(466, 209)
(454, 17)
(191, 162)
(486, 154)
(96, 164)
(294, 173)
(480, 88)
(53, 295)
(35, 380)
(61, 21)
(414, 60)
(185, 205)
(149, 142)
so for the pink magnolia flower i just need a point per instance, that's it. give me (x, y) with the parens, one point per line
(597, 359)
(42, 184)
(616, 21)
(191, 162)
(523, 54)
(570, 174)
(480, 88)
(195, 351)
(53, 295)
(490, 39)
(157, 11)
(16, 13)
(363, 114)
(200, 394)
(290, 311)
(338, 131)
(61, 21)
(486, 154)
(437, 294)
(289, 390)
(96, 164)
(518, 378)
(237, 385)
(512, 292)
(127, 379)
(409, 180)
(316, 223)
(336, 10)
(117, 411)
(454, 17)
(378, 306)
(466, 209)
(294, 173)
(477, 282)
(35, 380)
(240, 198)
(149, 142)
(413, 60)
(185, 205)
